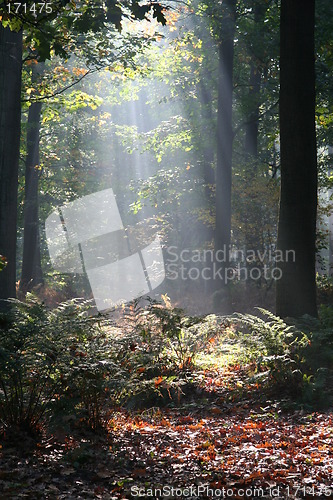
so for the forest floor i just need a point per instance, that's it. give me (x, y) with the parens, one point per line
(226, 440)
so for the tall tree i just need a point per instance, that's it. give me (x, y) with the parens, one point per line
(10, 122)
(251, 127)
(296, 290)
(31, 265)
(225, 132)
(253, 234)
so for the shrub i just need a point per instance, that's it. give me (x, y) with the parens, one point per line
(27, 366)
(156, 350)
(318, 362)
(278, 348)
(324, 288)
(326, 316)
(51, 359)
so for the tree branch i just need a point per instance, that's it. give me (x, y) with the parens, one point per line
(49, 96)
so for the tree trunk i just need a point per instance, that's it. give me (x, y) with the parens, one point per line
(208, 152)
(253, 232)
(251, 129)
(10, 127)
(296, 290)
(225, 133)
(208, 171)
(31, 263)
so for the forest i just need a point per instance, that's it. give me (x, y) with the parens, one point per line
(166, 249)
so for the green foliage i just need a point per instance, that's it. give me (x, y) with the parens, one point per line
(169, 137)
(297, 359)
(65, 363)
(318, 357)
(255, 202)
(326, 312)
(325, 293)
(27, 366)
(156, 351)
(84, 363)
(51, 28)
(277, 347)
(184, 336)
(49, 359)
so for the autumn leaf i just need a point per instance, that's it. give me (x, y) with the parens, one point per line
(158, 381)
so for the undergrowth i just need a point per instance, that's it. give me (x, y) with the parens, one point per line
(67, 364)
(295, 359)
(50, 360)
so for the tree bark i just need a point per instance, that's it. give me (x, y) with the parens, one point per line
(253, 232)
(251, 129)
(225, 133)
(31, 263)
(296, 290)
(10, 127)
(208, 152)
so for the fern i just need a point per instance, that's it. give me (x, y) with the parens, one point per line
(48, 357)
(277, 347)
